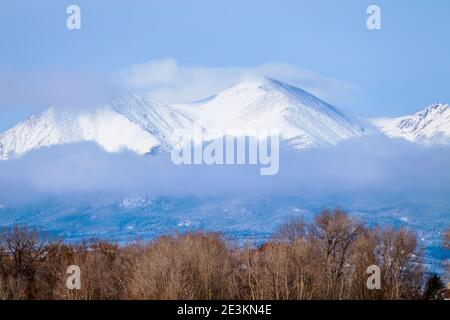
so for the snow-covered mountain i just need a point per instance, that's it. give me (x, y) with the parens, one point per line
(128, 122)
(144, 126)
(263, 103)
(136, 124)
(428, 126)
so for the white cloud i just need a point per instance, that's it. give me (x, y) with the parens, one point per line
(168, 81)
(371, 167)
(25, 92)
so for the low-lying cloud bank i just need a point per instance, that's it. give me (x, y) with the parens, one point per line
(369, 166)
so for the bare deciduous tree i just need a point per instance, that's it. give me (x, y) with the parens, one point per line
(191, 266)
(23, 253)
(332, 235)
(324, 259)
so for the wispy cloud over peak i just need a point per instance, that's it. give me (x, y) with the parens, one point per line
(171, 82)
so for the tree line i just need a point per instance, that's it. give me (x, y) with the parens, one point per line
(323, 259)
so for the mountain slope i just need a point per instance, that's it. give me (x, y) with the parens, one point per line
(159, 119)
(428, 126)
(128, 122)
(262, 103)
(143, 126)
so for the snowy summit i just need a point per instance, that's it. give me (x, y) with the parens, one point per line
(144, 126)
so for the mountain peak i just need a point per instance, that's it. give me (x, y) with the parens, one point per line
(255, 103)
(257, 81)
(430, 125)
(263, 103)
(437, 108)
(266, 84)
(127, 122)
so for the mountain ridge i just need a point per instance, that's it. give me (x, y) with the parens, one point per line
(428, 126)
(146, 126)
(264, 103)
(114, 126)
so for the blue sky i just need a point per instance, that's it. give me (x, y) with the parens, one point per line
(399, 69)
